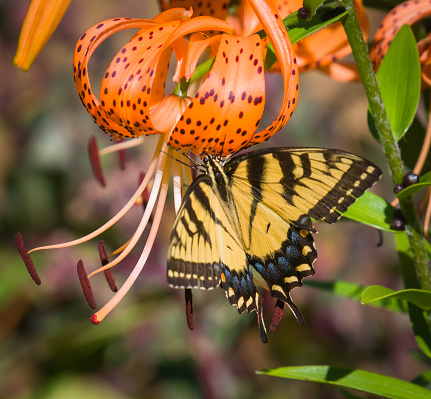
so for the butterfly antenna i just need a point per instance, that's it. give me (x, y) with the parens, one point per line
(184, 163)
(187, 156)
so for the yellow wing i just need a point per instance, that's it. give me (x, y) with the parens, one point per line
(206, 248)
(277, 192)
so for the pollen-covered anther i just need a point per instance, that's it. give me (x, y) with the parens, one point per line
(85, 285)
(189, 308)
(104, 259)
(26, 258)
(93, 153)
(278, 314)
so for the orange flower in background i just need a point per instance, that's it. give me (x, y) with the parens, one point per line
(406, 13)
(321, 50)
(218, 117)
(41, 20)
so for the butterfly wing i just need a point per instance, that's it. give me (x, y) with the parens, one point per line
(206, 248)
(193, 253)
(277, 192)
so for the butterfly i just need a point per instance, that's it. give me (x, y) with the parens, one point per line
(254, 213)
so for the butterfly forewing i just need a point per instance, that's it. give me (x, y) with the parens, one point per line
(295, 182)
(194, 254)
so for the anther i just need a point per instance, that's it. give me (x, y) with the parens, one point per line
(85, 284)
(278, 314)
(189, 308)
(93, 153)
(26, 258)
(104, 259)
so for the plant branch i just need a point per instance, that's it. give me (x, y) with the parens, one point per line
(387, 139)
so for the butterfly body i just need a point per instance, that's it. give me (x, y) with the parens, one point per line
(253, 212)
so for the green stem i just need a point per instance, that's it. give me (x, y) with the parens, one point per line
(390, 146)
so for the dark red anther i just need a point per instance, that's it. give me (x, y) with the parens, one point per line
(278, 314)
(93, 153)
(122, 159)
(85, 284)
(104, 259)
(26, 258)
(189, 308)
(261, 322)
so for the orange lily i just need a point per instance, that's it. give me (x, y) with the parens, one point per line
(406, 13)
(41, 20)
(321, 50)
(219, 117)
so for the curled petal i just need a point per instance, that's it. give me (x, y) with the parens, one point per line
(277, 35)
(216, 9)
(84, 49)
(406, 13)
(41, 20)
(134, 82)
(226, 110)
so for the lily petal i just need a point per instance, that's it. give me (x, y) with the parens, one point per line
(279, 39)
(41, 20)
(214, 8)
(225, 112)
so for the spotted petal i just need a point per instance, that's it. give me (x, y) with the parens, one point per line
(227, 108)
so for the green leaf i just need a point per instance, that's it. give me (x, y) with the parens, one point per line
(354, 291)
(399, 80)
(418, 318)
(372, 210)
(424, 182)
(360, 380)
(298, 28)
(312, 5)
(420, 298)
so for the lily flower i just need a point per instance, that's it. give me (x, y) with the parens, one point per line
(40, 22)
(321, 50)
(219, 116)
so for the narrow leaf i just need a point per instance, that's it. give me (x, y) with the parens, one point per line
(420, 298)
(399, 80)
(372, 210)
(360, 380)
(354, 291)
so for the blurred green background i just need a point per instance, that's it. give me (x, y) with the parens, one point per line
(143, 349)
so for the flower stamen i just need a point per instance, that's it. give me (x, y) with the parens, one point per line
(104, 259)
(85, 285)
(26, 258)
